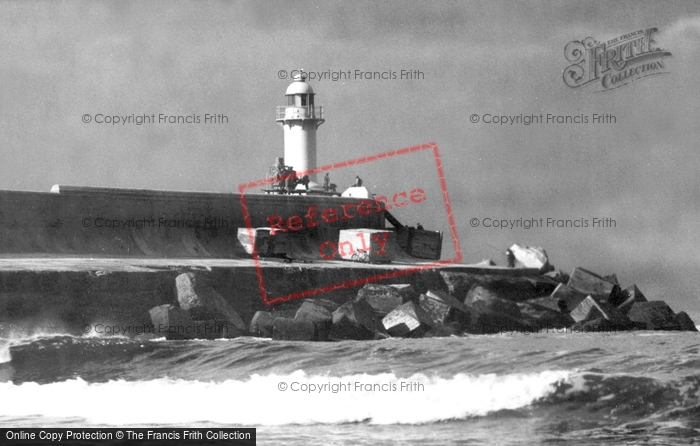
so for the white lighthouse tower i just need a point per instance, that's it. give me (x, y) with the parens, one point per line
(300, 119)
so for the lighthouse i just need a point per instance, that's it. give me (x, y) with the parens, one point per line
(300, 118)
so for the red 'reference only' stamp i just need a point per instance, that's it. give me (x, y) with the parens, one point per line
(404, 270)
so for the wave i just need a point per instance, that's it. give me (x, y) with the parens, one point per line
(308, 399)
(114, 380)
(574, 383)
(5, 352)
(568, 400)
(52, 358)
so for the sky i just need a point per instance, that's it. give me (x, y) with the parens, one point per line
(63, 60)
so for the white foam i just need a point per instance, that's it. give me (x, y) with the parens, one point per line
(5, 351)
(258, 401)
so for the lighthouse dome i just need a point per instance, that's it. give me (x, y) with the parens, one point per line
(299, 86)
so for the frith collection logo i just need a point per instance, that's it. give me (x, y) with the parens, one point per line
(615, 63)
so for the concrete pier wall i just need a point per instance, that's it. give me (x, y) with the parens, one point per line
(147, 223)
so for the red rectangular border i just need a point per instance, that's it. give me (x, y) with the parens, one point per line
(352, 283)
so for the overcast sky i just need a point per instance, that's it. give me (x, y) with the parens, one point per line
(61, 60)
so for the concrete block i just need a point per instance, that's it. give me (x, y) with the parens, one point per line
(569, 296)
(684, 322)
(318, 315)
(488, 299)
(587, 309)
(228, 330)
(657, 315)
(442, 307)
(629, 297)
(594, 285)
(172, 322)
(458, 283)
(196, 295)
(590, 309)
(285, 329)
(539, 316)
(407, 319)
(355, 320)
(549, 303)
(558, 276)
(367, 245)
(612, 278)
(529, 257)
(384, 298)
(487, 321)
(407, 291)
(262, 324)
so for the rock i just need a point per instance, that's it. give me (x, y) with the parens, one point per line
(355, 320)
(172, 322)
(443, 308)
(591, 309)
(685, 323)
(629, 297)
(407, 319)
(458, 283)
(318, 315)
(569, 297)
(480, 296)
(262, 324)
(594, 285)
(529, 257)
(285, 329)
(195, 294)
(657, 315)
(385, 298)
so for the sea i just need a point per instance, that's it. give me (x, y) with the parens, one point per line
(503, 389)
